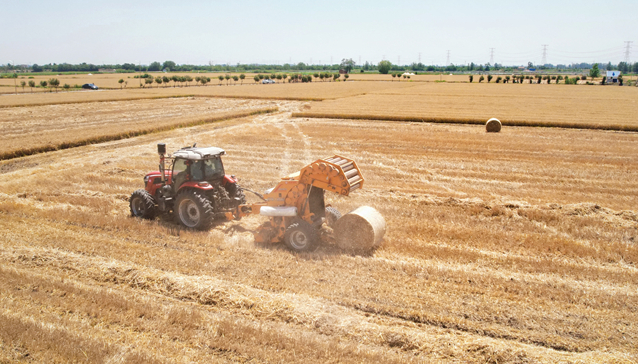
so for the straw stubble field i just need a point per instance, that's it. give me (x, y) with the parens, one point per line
(510, 247)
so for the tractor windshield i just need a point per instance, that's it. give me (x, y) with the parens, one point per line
(207, 169)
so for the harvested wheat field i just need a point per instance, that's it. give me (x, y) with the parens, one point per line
(26, 130)
(512, 247)
(513, 104)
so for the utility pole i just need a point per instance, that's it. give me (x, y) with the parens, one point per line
(492, 56)
(15, 84)
(544, 60)
(628, 50)
(447, 63)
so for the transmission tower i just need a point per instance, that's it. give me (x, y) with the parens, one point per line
(447, 63)
(492, 56)
(419, 57)
(544, 60)
(628, 50)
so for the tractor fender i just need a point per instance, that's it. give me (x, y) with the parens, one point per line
(230, 179)
(202, 186)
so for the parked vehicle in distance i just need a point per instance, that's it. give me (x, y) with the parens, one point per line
(89, 86)
(266, 81)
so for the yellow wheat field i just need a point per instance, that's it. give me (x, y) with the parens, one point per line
(543, 104)
(516, 247)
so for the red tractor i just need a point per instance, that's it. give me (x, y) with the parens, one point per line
(194, 188)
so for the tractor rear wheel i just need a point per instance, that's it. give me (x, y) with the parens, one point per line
(332, 215)
(193, 210)
(301, 236)
(142, 205)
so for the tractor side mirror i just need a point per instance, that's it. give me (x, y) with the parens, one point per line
(161, 148)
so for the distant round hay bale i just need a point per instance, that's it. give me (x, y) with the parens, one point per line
(493, 125)
(360, 230)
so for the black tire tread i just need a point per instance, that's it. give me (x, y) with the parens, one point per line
(206, 208)
(150, 210)
(310, 232)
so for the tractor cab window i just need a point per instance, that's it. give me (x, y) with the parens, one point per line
(179, 172)
(207, 169)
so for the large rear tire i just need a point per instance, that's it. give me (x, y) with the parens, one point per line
(142, 205)
(301, 237)
(193, 210)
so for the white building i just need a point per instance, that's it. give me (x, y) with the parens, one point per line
(612, 76)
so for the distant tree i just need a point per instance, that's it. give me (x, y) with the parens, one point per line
(316, 75)
(168, 65)
(261, 77)
(31, 84)
(284, 76)
(604, 80)
(346, 76)
(507, 79)
(498, 79)
(158, 81)
(235, 78)
(336, 76)
(204, 80)
(227, 77)
(385, 67)
(256, 78)
(166, 80)
(188, 79)
(471, 78)
(394, 75)
(620, 80)
(405, 76)
(347, 65)
(36, 68)
(121, 81)
(280, 77)
(154, 66)
(43, 84)
(54, 82)
(66, 86)
(149, 81)
(242, 77)
(221, 79)
(22, 83)
(560, 77)
(489, 78)
(481, 79)
(609, 67)
(583, 77)
(594, 71)
(634, 68)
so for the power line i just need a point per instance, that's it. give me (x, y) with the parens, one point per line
(544, 60)
(628, 50)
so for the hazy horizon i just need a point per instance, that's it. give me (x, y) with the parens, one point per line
(281, 32)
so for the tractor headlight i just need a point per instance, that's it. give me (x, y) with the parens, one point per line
(146, 178)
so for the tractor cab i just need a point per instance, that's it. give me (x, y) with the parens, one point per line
(202, 166)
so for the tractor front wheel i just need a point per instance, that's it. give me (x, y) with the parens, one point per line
(142, 205)
(193, 210)
(301, 236)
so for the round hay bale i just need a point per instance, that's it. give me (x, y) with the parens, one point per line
(360, 230)
(493, 125)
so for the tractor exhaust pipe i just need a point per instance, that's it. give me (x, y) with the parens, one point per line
(161, 150)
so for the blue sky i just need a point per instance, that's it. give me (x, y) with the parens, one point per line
(103, 32)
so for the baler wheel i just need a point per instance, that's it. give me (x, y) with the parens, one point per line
(332, 215)
(301, 236)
